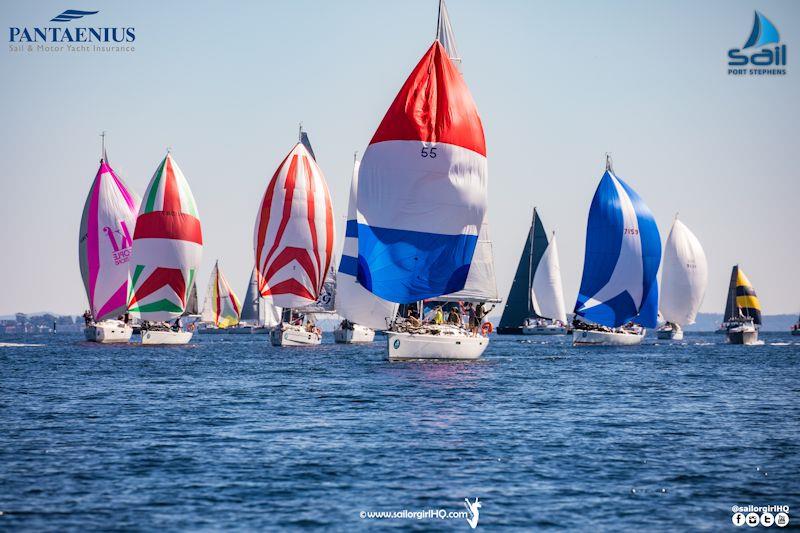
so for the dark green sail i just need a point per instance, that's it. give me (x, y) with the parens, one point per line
(518, 303)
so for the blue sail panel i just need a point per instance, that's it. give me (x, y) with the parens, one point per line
(406, 266)
(651, 258)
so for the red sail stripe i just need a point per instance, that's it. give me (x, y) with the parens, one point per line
(290, 286)
(263, 221)
(172, 198)
(434, 105)
(311, 215)
(289, 254)
(168, 225)
(160, 277)
(288, 186)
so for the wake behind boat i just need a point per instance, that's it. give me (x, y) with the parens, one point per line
(104, 248)
(618, 296)
(421, 200)
(167, 249)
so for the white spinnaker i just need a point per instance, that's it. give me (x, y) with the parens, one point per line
(547, 294)
(629, 270)
(481, 285)
(685, 276)
(354, 302)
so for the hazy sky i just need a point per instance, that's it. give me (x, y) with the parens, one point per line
(557, 84)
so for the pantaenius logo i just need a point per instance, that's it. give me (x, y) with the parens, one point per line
(67, 34)
(762, 54)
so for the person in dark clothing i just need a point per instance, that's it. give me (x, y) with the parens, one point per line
(454, 317)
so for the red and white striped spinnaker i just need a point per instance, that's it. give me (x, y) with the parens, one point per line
(104, 243)
(294, 234)
(167, 246)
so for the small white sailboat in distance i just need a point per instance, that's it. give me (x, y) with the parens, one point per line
(684, 279)
(294, 239)
(363, 312)
(167, 250)
(104, 247)
(618, 296)
(422, 201)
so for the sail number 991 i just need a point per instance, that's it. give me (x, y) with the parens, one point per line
(428, 152)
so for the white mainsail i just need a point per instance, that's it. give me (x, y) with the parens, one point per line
(685, 276)
(257, 310)
(547, 294)
(445, 35)
(481, 284)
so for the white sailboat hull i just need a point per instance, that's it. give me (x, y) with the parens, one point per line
(671, 333)
(582, 337)
(358, 334)
(742, 335)
(545, 329)
(165, 337)
(457, 346)
(288, 335)
(108, 332)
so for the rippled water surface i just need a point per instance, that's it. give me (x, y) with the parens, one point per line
(233, 433)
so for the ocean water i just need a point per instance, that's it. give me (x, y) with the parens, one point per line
(231, 433)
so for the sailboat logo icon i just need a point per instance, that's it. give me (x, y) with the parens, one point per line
(764, 32)
(762, 51)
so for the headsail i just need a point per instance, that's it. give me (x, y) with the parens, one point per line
(257, 310)
(623, 252)
(518, 303)
(547, 294)
(221, 306)
(326, 301)
(422, 187)
(167, 246)
(684, 277)
(742, 299)
(294, 232)
(354, 302)
(104, 242)
(192, 308)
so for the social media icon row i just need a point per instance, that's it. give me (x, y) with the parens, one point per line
(766, 519)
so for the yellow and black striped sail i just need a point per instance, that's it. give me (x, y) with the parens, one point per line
(742, 300)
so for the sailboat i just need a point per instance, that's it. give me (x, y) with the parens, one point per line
(796, 328)
(618, 296)
(294, 239)
(221, 307)
(535, 303)
(742, 310)
(104, 248)
(258, 315)
(363, 312)
(683, 281)
(167, 250)
(421, 201)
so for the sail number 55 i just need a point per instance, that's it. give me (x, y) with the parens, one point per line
(428, 152)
